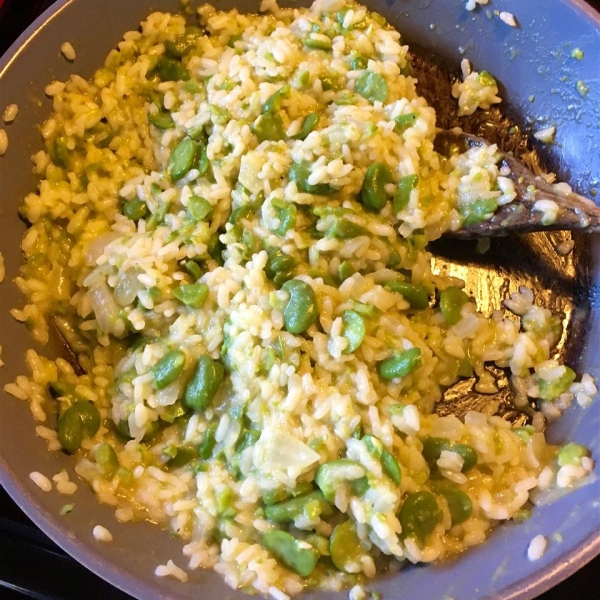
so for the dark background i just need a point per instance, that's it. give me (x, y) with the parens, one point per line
(31, 566)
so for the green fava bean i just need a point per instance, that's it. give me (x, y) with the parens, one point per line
(199, 208)
(106, 457)
(182, 158)
(171, 70)
(278, 262)
(372, 86)
(168, 368)
(419, 515)
(269, 126)
(433, 447)
(297, 555)
(373, 194)
(89, 416)
(452, 300)
(308, 124)
(478, 211)
(312, 505)
(205, 383)
(400, 364)
(193, 295)
(70, 431)
(183, 44)
(135, 209)
(162, 119)
(404, 122)
(353, 330)
(301, 309)
(415, 295)
(459, 504)
(334, 472)
(183, 456)
(402, 195)
(300, 172)
(388, 461)
(208, 442)
(344, 546)
(274, 101)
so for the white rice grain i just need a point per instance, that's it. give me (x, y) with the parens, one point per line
(41, 481)
(537, 547)
(101, 534)
(68, 51)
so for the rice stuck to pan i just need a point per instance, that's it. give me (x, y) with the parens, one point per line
(230, 233)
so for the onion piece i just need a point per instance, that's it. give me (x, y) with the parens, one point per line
(127, 287)
(97, 246)
(104, 306)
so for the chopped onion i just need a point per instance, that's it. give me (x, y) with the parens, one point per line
(96, 247)
(281, 450)
(127, 287)
(250, 167)
(104, 306)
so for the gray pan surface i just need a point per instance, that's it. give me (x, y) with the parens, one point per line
(532, 60)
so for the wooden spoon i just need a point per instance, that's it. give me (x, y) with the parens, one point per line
(575, 212)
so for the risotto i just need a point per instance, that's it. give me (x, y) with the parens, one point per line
(230, 234)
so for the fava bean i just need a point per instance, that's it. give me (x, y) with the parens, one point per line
(161, 119)
(300, 172)
(478, 211)
(280, 494)
(312, 506)
(183, 456)
(295, 554)
(308, 124)
(404, 122)
(106, 457)
(274, 102)
(171, 70)
(433, 447)
(452, 299)
(193, 295)
(571, 454)
(400, 363)
(402, 195)
(183, 44)
(416, 295)
(89, 416)
(70, 431)
(372, 87)
(388, 461)
(208, 442)
(335, 472)
(459, 504)
(301, 309)
(551, 389)
(419, 515)
(168, 368)
(268, 126)
(135, 209)
(205, 383)
(344, 546)
(182, 158)
(278, 262)
(353, 330)
(373, 194)
(199, 208)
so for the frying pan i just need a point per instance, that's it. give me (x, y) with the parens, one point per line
(538, 76)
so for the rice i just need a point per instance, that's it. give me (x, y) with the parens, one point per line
(258, 327)
(68, 51)
(10, 113)
(171, 570)
(537, 547)
(3, 142)
(101, 534)
(41, 481)
(508, 18)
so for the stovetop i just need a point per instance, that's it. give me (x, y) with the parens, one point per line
(31, 565)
